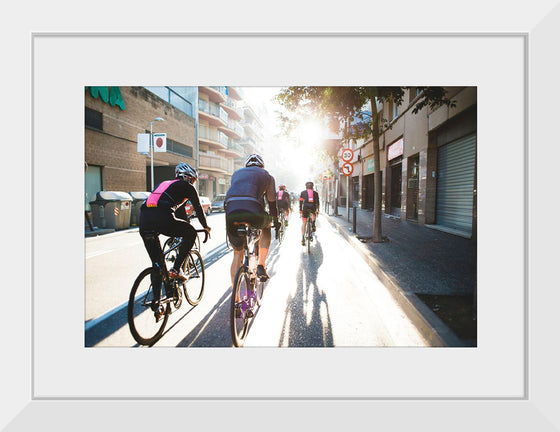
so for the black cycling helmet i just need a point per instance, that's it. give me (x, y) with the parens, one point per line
(254, 160)
(186, 172)
(309, 185)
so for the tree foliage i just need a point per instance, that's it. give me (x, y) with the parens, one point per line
(346, 109)
(340, 105)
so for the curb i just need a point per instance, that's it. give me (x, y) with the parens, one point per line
(430, 326)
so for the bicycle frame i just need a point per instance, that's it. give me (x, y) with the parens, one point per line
(252, 238)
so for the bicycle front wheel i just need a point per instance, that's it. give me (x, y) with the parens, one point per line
(239, 302)
(194, 270)
(142, 322)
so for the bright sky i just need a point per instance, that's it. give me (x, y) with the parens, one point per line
(291, 163)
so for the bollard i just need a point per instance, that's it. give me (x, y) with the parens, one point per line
(354, 220)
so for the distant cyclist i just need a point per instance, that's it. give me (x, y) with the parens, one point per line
(164, 212)
(245, 202)
(283, 202)
(308, 205)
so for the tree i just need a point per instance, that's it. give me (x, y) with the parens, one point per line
(345, 108)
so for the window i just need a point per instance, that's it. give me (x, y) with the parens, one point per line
(414, 92)
(392, 110)
(178, 148)
(94, 119)
(92, 184)
(176, 96)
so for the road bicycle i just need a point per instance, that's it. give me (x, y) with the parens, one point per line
(171, 242)
(247, 292)
(283, 219)
(309, 235)
(154, 295)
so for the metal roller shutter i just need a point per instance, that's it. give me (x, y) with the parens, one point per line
(455, 184)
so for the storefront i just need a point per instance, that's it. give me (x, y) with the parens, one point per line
(394, 182)
(455, 184)
(413, 187)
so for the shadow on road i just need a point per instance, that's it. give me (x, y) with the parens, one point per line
(101, 328)
(307, 320)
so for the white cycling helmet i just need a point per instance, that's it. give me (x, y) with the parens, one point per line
(254, 160)
(184, 170)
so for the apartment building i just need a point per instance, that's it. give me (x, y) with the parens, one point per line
(428, 164)
(219, 137)
(252, 126)
(203, 127)
(114, 116)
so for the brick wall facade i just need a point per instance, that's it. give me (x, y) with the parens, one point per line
(115, 147)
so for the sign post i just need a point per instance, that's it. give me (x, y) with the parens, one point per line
(347, 169)
(152, 149)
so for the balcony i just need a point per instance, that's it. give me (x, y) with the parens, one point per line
(215, 94)
(215, 163)
(212, 137)
(212, 113)
(232, 130)
(231, 108)
(234, 92)
(234, 149)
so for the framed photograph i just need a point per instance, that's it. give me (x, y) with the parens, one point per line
(506, 381)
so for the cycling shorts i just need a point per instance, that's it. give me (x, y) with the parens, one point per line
(307, 209)
(256, 220)
(283, 205)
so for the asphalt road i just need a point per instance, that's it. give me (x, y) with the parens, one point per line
(328, 298)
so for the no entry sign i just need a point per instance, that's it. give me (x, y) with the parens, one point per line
(347, 169)
(160, 142)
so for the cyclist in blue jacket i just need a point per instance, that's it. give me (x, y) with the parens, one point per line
(245, 202)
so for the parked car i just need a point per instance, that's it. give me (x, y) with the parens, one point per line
(206, 205)
(204, 202)
(218, 203)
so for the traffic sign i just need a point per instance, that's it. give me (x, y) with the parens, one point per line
(160, 142)
(347, 155)
(347, 169)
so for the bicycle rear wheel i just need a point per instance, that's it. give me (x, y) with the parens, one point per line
(194, 270)
(141, 318)
(309, 236)
(281, 233)
(239, 319)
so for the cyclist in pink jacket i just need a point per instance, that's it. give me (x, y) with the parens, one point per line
(308, 205)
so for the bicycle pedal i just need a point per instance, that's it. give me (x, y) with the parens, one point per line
(159, 313)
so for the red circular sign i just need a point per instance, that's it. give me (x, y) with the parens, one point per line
(347, 169)
(159, 142)
(347, 155)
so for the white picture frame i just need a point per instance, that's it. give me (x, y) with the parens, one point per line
(27, 406)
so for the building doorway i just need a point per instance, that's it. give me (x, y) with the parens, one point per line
(413, 188)
(455, 184)
(396, 188)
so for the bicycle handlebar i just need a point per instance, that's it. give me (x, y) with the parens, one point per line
(207, 234)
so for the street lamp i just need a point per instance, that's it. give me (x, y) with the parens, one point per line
(152, 149)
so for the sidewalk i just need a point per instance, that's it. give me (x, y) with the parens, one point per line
(431, 273)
